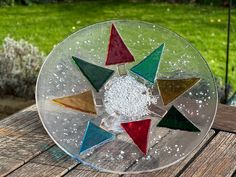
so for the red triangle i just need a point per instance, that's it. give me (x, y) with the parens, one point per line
(138, 131)
(118, 53)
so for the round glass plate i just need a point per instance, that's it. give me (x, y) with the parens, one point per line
(134, 98)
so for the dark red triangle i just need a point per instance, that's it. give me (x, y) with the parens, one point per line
(138, 131)
(118, 53)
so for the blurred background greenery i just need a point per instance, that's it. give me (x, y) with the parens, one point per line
(44, 23)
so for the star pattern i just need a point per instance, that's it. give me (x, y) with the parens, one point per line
(147, 69)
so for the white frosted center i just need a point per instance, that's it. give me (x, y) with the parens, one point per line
(126, 96)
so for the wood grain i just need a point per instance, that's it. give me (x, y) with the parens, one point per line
(21, 131)
(218, 158)
(38, 170)
(17, 116)
(54, 156)
(225, 118)
(8, 164)
(25, 147)
(19, 124)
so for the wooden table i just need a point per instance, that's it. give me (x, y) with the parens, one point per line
(27, 150)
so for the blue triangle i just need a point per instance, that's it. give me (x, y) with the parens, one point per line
(94, 136)
(147, 68)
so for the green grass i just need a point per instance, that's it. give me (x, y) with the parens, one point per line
(204, 26)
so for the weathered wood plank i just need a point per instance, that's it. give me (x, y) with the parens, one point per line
(25, 118)
(54, 156)
(225, 118)
(17, 116)
(28, 116)
(38, 170)
(16, 126)
(8, 164)
(10, 133)
(25, 147)
(88, 172)
(35, 126)
(217, 159)
(175, 169)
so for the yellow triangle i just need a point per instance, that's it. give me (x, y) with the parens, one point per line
(83, 102)
(171, 89)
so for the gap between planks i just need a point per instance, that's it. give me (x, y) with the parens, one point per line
(217, 159)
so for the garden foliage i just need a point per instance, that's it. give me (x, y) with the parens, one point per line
(202, 2)
(20, 62)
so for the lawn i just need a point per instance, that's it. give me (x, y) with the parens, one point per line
(204, 26)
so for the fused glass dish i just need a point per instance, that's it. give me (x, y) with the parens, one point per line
(126, 97)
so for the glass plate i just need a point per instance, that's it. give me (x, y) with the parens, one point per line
(60, 76)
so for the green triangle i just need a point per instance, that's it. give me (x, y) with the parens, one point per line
(176, 120)
(96, 75)
(94, 137)
(147, 68)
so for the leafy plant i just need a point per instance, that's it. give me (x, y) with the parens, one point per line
(19, 67)
(7, 2)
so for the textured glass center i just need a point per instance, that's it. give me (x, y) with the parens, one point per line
(127, 97)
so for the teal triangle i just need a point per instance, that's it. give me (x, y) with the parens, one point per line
(94, 137)
(147, 68)
(176, 120)
(96, 75)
